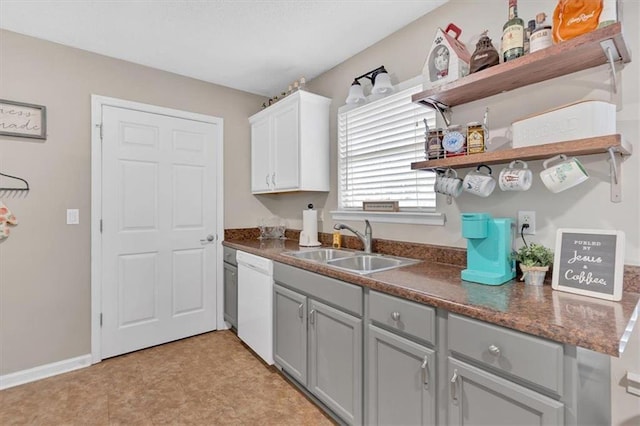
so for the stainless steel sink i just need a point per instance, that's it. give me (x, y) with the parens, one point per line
(320, 255)
(352, 261)
(369, 263)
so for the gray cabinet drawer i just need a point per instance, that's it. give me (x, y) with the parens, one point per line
(337, 293)
(229, 255)
(404, 316)
(533, 359)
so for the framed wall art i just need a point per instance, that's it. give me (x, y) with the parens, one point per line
(589, 262)
(23, 120)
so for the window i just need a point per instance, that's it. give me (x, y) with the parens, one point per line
(377, 143)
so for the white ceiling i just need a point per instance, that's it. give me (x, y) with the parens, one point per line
(258, 46)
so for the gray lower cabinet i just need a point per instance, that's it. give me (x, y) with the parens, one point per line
(231, 294)
(290, 332)
(401, 380)
(317, 329)
(478, 397)
(335, 360)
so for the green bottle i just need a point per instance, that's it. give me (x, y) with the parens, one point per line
(513, 34)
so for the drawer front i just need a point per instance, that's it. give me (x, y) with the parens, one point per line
(404, 316)
(531, 358)
(229, 255)
(337, 293)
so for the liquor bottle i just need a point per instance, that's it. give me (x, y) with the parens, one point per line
(527, 35)
(541, 37)
(513, 34)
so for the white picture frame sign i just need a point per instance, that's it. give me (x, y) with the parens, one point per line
(589, 262)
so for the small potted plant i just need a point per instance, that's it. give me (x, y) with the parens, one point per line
(535, 260)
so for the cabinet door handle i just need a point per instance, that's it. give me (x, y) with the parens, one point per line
(494, 350)
(312, 316)
(395, 316)
(300, 313)
(425, 371)
(273, 179)
(454, 384)
(266, 179)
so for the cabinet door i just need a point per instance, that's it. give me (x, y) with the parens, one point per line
(401, 386)
(286, 148)
(290, 332)
(261, 155)
(335, 361)
(481, 398)
(231, 294)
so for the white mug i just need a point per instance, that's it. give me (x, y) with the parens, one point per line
(448, 183)
(513, 179)
(564, 175)
(478, 183)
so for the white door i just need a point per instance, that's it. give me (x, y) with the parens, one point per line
(158, 208)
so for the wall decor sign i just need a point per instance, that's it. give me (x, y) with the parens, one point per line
(23, 120)
(589, 262)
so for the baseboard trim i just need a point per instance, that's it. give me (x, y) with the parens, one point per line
(44, 371)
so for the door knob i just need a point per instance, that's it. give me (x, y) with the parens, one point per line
(209, 238)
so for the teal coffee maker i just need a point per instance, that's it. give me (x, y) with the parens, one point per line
(489, 241)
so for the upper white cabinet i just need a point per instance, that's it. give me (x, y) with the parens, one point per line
(290, 145)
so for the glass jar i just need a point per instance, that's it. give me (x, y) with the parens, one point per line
(475, 138)
(433, 145)
(454, 141)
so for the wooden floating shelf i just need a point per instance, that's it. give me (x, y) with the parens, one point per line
(597, 145)
(564, 58)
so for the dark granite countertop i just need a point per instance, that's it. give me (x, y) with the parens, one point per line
(591, 323)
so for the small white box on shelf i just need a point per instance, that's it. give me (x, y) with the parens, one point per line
(579, 120)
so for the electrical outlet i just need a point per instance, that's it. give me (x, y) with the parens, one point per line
(528, 217)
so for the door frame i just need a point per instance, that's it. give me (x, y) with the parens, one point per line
(97, 103)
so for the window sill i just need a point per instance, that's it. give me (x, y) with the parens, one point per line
(412, 218)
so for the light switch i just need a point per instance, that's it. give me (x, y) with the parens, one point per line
(73, 216)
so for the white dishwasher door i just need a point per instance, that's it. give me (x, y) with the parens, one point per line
(255, 304)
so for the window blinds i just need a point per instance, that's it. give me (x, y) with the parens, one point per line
(377, 143)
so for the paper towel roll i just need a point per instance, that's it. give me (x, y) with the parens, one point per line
(309, 233)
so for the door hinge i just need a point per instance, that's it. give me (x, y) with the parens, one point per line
(100, 127)
(100, 319)
(101, 226)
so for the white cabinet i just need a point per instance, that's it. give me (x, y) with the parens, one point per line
(290, 145)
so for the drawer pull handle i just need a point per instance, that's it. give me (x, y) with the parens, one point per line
(425, 371)
(395, 316)
(312, 316)
(453, 385)
(494, 350)
(300, 310)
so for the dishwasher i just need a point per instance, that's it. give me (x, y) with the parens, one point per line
(255, 304)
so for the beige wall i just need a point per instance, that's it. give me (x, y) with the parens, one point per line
(45, 264)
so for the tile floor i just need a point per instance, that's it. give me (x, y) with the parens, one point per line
(210, 379)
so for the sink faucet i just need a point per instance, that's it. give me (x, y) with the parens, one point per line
(366, 239)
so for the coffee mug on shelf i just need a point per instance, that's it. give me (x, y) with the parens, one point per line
(479, 183)
(448, 183)
(564, 175)
(515, 179)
